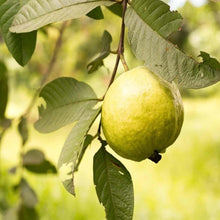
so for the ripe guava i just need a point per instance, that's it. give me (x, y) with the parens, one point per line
(142, 115)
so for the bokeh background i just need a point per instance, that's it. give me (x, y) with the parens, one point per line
(185, 184)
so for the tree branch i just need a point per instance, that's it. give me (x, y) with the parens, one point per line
(120, 56)
(49, 68)
(120, 51)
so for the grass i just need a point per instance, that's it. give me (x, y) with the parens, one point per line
(183, 185)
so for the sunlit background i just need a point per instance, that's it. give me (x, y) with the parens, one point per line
(180, 3)
(185, 184)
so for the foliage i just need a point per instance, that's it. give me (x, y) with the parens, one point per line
(164, 58)
(3, 89)
(113, 185)
(105, 51)
(22, 45)
(66, 100)
(50, 11)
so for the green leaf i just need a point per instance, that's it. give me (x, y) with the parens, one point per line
(158, 16)
(207, 60)
(28, 196)
(21, 46)
(3, 89)
(165, 59)
(116, 9)
(88, 140)
(23, 130)
(114, 186)
(38, 13)
(27, 213)
(33, 157)
(105, 51)
(35, 161)
(96, 13)
(67, 101)
(43, 168)
(73, 149)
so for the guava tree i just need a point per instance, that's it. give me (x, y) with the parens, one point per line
(146, 24)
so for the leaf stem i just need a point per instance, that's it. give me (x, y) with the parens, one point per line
(114, 52)
(120, 51)
(124, 62)
(120, 56)
(114, 71)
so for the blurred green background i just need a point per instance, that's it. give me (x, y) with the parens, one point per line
(185, 184)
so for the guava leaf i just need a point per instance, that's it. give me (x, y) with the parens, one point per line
(116, 9)
(38, 13)
(33, 157)
(23, 130)
(207, 60)
(105, 51)
(3, 89)
(73, 149)
(35, 161)
(28, 196)
(114, 186)
(88, 140)
(162, 57)
(27, 213)
(158, 16)
(96, 13)
(46, 167)
(67, 101)
(21, 46)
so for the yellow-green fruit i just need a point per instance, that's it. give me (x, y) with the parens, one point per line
(141, 114)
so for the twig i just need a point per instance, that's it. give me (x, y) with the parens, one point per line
(114, 71)
(120, 51)
(124, 62)
(44, 79)
(120, 56)
(50, 67)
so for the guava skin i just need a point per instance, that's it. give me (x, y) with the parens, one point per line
(141, 114)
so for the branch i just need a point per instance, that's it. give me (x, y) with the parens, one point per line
(34, 98)
(124, 62)
(49, 68)
(120, 51)
(120, 55)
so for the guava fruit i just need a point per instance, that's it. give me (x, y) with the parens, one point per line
(142, 115)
